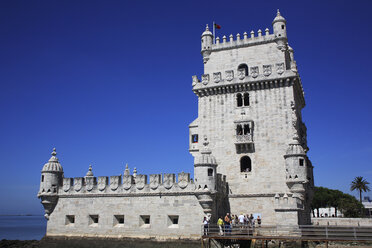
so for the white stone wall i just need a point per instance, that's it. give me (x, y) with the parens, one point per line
(158, 207)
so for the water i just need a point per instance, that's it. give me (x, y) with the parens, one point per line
(22, 227)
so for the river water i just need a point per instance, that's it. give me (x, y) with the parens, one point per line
(22, 227)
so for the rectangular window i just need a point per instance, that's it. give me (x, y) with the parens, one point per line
(93, 219)
(194, 138)
(70, 219)
(301, 162)
(118, 220)
(42, 178)
(144, 221)
(173, 221)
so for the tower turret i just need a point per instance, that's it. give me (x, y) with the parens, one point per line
(206, 44)
(280, 30)
(51, 180)
(205, 169)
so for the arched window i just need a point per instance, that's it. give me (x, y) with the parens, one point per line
(245, 164)
(246, 129)
(246, 99)
(245, 67)
(210, 172)
(239, 130)
(239, 100)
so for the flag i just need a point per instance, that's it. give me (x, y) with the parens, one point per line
(217, 26)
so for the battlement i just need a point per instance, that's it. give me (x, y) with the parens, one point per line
(129, 184)
(243, 41)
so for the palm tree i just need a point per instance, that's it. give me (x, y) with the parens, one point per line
(359, 184)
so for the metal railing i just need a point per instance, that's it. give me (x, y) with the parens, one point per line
(303, 232)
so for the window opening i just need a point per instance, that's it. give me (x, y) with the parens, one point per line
(282, 26)
(93, 219)
(301, 162)
(173, 220)
(210, 172)
(245, 67)
(70, 219)
(194, 138)
(245, 164)
(42, 178)
(118, 219)
(239, 130)
(239, 100)
(246, 99)
(247, 130)
(144, 220)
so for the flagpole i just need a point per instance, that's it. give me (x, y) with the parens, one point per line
(214, 36)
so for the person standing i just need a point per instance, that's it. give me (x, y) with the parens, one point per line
(220, 225)
(227, 221)
(205, 223)
(259, 221)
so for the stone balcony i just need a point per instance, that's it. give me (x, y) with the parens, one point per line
(244, 139)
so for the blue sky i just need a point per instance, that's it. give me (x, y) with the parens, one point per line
(109, 83)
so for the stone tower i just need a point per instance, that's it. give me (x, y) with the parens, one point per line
(51, 180)
(250, 99)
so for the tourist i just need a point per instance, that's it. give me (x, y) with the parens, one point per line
(220, 225)
(227, 221)
(259, 221)
(241, 220)
(205, 223)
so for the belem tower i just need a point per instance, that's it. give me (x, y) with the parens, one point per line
(249, 145)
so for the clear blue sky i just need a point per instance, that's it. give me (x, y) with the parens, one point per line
(109, 83)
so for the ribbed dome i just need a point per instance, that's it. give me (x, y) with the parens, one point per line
(295, 148)
(53, 163)
(207, 32)
(279, 18)
(205, 157)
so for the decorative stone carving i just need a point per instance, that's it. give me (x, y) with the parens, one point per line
(66, 184)
(229, 75)
(280, 68)
(78, 183)
(102, 183)
(89, 182)
(254, 71)
(217, 77)
(241, 74)
(114, 182)
(195, 80)
(205, 79)
(155, 181)
(141, 181)
(127, 181)
(267, 70)
(183, 179)
(168, 180)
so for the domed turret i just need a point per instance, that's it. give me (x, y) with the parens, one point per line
(51, 180)
(206, 44)
(205, 169)
(280, 30)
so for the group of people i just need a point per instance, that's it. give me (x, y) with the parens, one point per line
(226, 224)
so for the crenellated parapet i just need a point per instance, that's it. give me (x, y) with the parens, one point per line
(243, 41)
(128, 184)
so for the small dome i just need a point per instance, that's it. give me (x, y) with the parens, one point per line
(279, 18)
(90, 172)
(205, 157)
(295, 148)
(53, 163)
(207, 32)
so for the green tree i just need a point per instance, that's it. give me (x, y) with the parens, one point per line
(359, 184)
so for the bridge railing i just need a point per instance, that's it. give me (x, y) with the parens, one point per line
(302, 232)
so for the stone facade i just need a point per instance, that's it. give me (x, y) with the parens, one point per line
(249, 145)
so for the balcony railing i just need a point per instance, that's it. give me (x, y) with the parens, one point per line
(244, 139)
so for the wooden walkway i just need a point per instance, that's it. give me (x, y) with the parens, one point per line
(247, 235)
